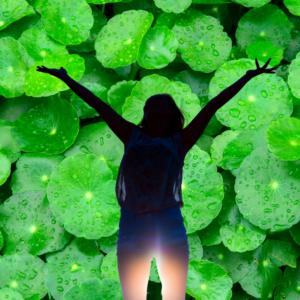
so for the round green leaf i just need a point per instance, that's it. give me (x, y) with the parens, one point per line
(250, 107)
(5, 168)
(236, 264)
(293, 77)
(83, 109)
(13, 67)
(33, 171)
(167, 19)
(39, 84)
(96, 73)
(86, 209)
(111, 148)
(208, 276)
(237, 234)
(263, 51)
(100, 20)
(267, 23)
(264, 198)
(13, 108)
(176, 6)
(241, 146)
(38, 45)
(267, 275)
(293, 6)
(67, 21)
(203, 43)
(288, 287)
(283, 138)
(50, 127)
(8, 145)
(118, 93)
(252, 3)
(95, 288)
(23, 274)
(11, 11)
(210, 235)
(78, 261)
(1, 241)
(15, 29)
(118, 42)
(158, 48)
(10, 294)
(28, 225)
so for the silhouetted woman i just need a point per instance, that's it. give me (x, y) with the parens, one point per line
(148, 187)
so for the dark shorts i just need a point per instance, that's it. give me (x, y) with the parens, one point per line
(152, 232)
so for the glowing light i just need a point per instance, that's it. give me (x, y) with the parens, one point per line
(88, 195)
(152, 48)
(74, 267)
(1, 23)
(275, 185)
(53, 131)
(293, 143)
(265, 263)
(262, 34)
(200, 43)
(203, 286)
(44, 178)
(63, 20)
(220, 256)
(14, 284)
(33, 229)
(264, 54)
(215, 9)
(43, 53)
(10, 69)
(129, 41)
(240, 227)
(251, 98)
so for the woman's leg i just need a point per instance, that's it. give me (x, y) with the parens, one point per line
(134, 271)
(173, 269)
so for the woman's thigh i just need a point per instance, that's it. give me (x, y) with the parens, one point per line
(134, 271)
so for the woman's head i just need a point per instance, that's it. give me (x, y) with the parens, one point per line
(164, 116)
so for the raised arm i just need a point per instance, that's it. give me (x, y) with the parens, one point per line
(121, 127)
(191, 134)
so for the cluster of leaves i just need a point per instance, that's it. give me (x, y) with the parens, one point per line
(59, 216)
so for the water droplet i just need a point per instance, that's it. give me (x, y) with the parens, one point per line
(264, 93)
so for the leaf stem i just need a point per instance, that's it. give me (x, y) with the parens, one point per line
(194, 6)
(133, 71)
(103, 7)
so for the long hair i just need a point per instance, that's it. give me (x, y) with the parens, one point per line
(177, 121)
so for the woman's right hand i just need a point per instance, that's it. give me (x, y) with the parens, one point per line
(59, 73)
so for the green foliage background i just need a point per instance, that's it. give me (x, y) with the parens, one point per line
(59, 161)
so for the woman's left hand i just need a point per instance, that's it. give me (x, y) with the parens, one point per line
(262, 70)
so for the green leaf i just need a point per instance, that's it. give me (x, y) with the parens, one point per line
(292, 6)
(199, 50)
(29, 226)
(5, 167)
(39, 84)
(7, 293)
(14, 66)
(23, 274)
(293, 77)
(82, 209)
(236, 264)
(254, 26)
(100, 20)
(67, 21)
(8, 145)
(118, 42)
(1, 242)
(250, 107)
(158, 48)
(208, 276)
(252, 3)
(77, 262)
(11, 11)
(50, 127)
(38, 45)
(283, 138)
(176, 6)
(273, 209)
